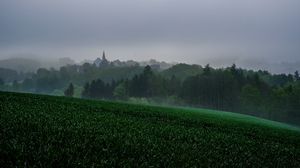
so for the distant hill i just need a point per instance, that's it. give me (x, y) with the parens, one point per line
(182, 71)
(20, 64)
(8, 75)
(24, 65)
(156, 64)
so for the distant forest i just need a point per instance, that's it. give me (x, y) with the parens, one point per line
(259, 93)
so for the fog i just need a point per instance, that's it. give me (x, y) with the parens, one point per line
(253, 34)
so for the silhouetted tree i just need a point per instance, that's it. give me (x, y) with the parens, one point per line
(15, 85)
(173, 86)
(120, 92)
(1, 81)
(69, 92)
(206, 70)
(297, 77)
(28, 85)
(86, 90)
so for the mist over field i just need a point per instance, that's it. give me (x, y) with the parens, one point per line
(252, 34)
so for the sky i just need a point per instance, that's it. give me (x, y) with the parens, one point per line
(255, 34)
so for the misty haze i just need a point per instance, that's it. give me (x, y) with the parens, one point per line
(150, 83)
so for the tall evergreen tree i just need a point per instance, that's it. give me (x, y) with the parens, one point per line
(86, 90)
(69, 92)
(297, 77)
(206, 70)
(1, 81)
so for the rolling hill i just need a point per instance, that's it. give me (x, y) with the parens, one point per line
(48, 131)
(182, 71)
(20, 64)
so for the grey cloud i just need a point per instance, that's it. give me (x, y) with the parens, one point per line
(184, 30)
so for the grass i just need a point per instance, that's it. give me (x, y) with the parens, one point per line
(48, 131)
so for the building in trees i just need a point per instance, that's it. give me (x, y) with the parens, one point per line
(102, 62)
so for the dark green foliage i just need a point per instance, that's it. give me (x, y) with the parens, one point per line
(142, 85)
(120, 92)
(86, 90)
(182, 71)
(251, 98)
(189, 85)
(1, 81)
(16, 85)
(173, 86)
(212, 89)
(45, 131)
(69, 92)
(8, 75)
(229, 89)
(207, 70)
(98, 89)
(47, 80)
(28, 85)
(296, 76)
(286, 103)
(148, 85)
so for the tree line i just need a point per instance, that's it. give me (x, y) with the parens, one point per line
(229, 89)
(273, 96)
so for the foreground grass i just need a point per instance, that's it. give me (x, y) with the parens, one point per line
(46, 131)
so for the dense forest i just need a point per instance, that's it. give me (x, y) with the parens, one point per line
(259, 93)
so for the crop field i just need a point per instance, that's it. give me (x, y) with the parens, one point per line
(49, 131)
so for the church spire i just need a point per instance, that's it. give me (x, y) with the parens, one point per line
(103, 56)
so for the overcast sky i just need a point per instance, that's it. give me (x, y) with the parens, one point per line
(251, 33)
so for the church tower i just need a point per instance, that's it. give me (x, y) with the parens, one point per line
(104, 61)
(103, 56)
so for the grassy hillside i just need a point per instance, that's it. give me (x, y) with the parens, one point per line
(46, 131)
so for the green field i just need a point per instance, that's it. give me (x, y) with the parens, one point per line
(48, 131)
